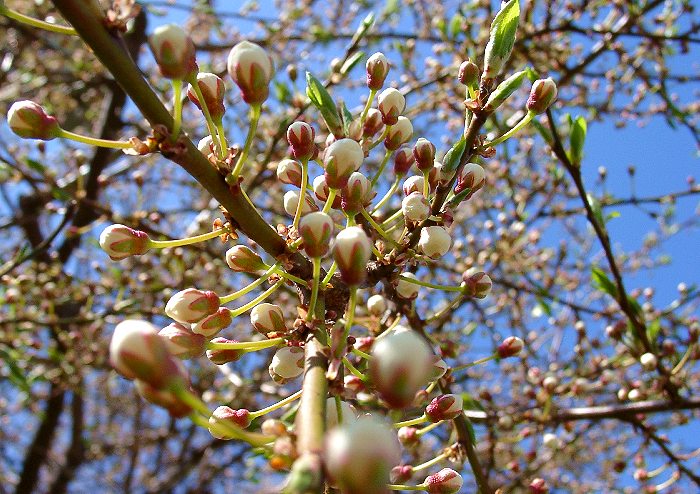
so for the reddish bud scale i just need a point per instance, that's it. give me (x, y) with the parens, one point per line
(300, 136)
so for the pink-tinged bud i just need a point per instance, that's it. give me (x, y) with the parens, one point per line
(359, 456)
(408, 437)
(348, 412)
(136, 351)
(300, 137)
(413, 184)
(352, 251)
(377, 70)
(213, 89)
(472, 177)
(353, 384)
(373, 123)
(400, 366)
(316, 230)
(174, 52)
(468, 73)
(364, 343)
(403, 161)
(251, 69)
(223, 416)
(221, 357)
(356, 194)
(268, 318)
(510, 347)
(648, 361)
(538, 486)
(291, 200)
(401, 474)
(399, 133)
(182, 342)
(120, 242)
(191, 305)
(206, 145)
(30, 121)
(415, 207)
(391, 104)
(376, 305)
(321, 191)
(445, 407)
(406, 289)
(424, 152)
(542, 95)
(273, 427)
(439, 368)
(477, 285)
(439, 175)
(242, 259)
(446, 481)
(340, 160)
(287, 363)
(213, 323)
(162, 398)
(434, 241)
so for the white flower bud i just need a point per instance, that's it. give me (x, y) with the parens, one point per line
(289, 172)
(268, 318)
(542, 95)
(399, 133)
(316, 230)
(213, 89)
(415, 207)
(182, 342)
(191, 305)
(550, 441)
(413, 184)
(376, 305)
(648, 361)
(287, 363)
(30, 121)
(251, 69)
(300, 137)
(206, 145)
(356, 194)
(424, 154)
(352, 251)
(391, 104)
(340, 160)
(291, 200)
(406, 289)
(446, 481)
(477, 285)
(213, 323)
(174, 52)
(321, 191)
(434, 241)
(510, 347)
(377, 69)
(472, 177)
(120, 242)
(242, 259)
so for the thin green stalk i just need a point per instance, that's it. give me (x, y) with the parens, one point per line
(431, 285)
(377, 227)
(222, 134)
(251, 346)
(522, 123)
(247, 289)
(353, 370)
(368, 105)
(329, 201)
(177, 108)
(329, 274)
(304, 182)
(211, 125)
(382, 165)
(94, 141)
(258, 299)
(281, 272)
(432, 462)
(286, 401)
(475, 363)
(387, 196)
(338, 408)
(429, 428)
(162, 244)
(254, 118)
(31, 21)
(362, 354)
(399, 487)
(314, 287)
(381, 137)
(408, 423)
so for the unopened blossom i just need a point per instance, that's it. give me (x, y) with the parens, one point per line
(289, 172)
(206, 145)
(472, 177)
(242, 259)
(401, 474)
(413, 184)
(391, 104)
(251, 69)
(444, 407)
(221, 357)
(439, 368)
(542, 95)
(399, 133)
(468, 73)
(213, 88)
(403, 161)
(268, 318)
(174, 52)
(434, 241)
(648, 361)
(120, 242)
(538, 486)
(551, 441)
(373, 123)
(424, 153)
(406, 289)
(191, 305)
(359, 456)
(477, 285)
(300, 136)
(340, 160)
(291, 200)
(510, 347)
(351, 251)
(321, 191)
(348, 412)
(400, 366)
(182, 342)
(30, 121)
(356, 194)
(287, 363)
(408, 437)
(377, 69)
(446, 481)
(316, 230)
(376, 305)
(212, 324)
(415, 207)
(224, 419)
(163, 398)
(440, 175)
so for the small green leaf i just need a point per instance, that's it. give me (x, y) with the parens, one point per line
(347, 118)
(452, 157)
(456, 25)
(577, 139)
(501, 39)
(363, 28)
(597, 210)
(322, 100)
(36, 166)
(351, 62)
(504, 90)
(602, 282)
(612, 215)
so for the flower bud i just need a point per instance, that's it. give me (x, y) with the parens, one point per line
(268, 318)
(136, 351)
(477, 285)
(174, 52)
(251, 69)
(472, 178)
(242, 259)
(289, 172)
(445, 407)
(273, 427)
(542, 95)
(376, 305)
(406, 289)
(291, 200)
(359, 456)
(353, 384)
(415, 208)
(403, 161)
(182, 342)
(287, 363)
(352, 251)
(510, 347)
(391, 104)
(401, 474)
(213, 323)
(468, 74)
(340, 160)
(648, 361)
(30, 121)
(364, 343)
(120, 242)
(206, 145)
(316, 230)
(551, 441)
(348, 412)
(162, 398)
(191, 305)
(439, 368)
(377, 70)
(446, 481)
(538, 486)
(400, 366)
(424, 152)
(373, 123)
(221, 357)
(408, 437)
(356, 194)
(300, 137)
(213, 89)
(434, 241)
(238, 419)
(440, 175)
(321, 191)
(412, 184)
(399, 133)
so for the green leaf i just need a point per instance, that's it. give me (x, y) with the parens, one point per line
(471, 403)
(597, 210)
(456, 25)
(322, 100)
(602, 282)
(347, 118)
(351, 62)
(363, 28)
(577, 139)
(453, 155)
(504, 90)
(36, 166)
(501, 39)
(17, 376)
(282, 92)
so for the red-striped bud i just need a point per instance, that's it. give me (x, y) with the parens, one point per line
(377, 69)
(223, 415)
(352, 251)
(174, 52)
(373, 123)
(340, 160)
(221, 357)
(321, 191)
(356, 194)
(291, 201)
(510, 347)
(446, 481)
(403, 161)
(472, 178)
(316, 230)
(191, 305)
(477, 285)
(468, 73)
(391, 104)
(242, 259)
(287, 363)
(213, 89)
(268, 318)
(251, 69)
(120, 242)
(300, 137)
(424, 152)
(30, 121)
(399, 133)
(412, 184)
(213, 323)
(445, 407)
(182, 342)
(542, 95)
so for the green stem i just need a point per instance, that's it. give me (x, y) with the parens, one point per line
(31, 21)
(522, 123)
(304, 182)
(376, 226)
(382, 165)
(211, 125)
(432, 462)
(329, 201)
(257, 300)
(338, 408)
(429, 428)
(281, 272)
(329, 274)
(162, 244)
(252, 346)
(431, 285)
(177, 108)
(94, 141)
(353, 370)
(222, 135)
(475, 363)
(399, 487)
(362, 354)
(398, 214)
(365, 111)
(407, 423)
(289, 399)
(387, 196)
(316, 261)
(426, 184)
(254, 118)
(247, 289)
(381, 137)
